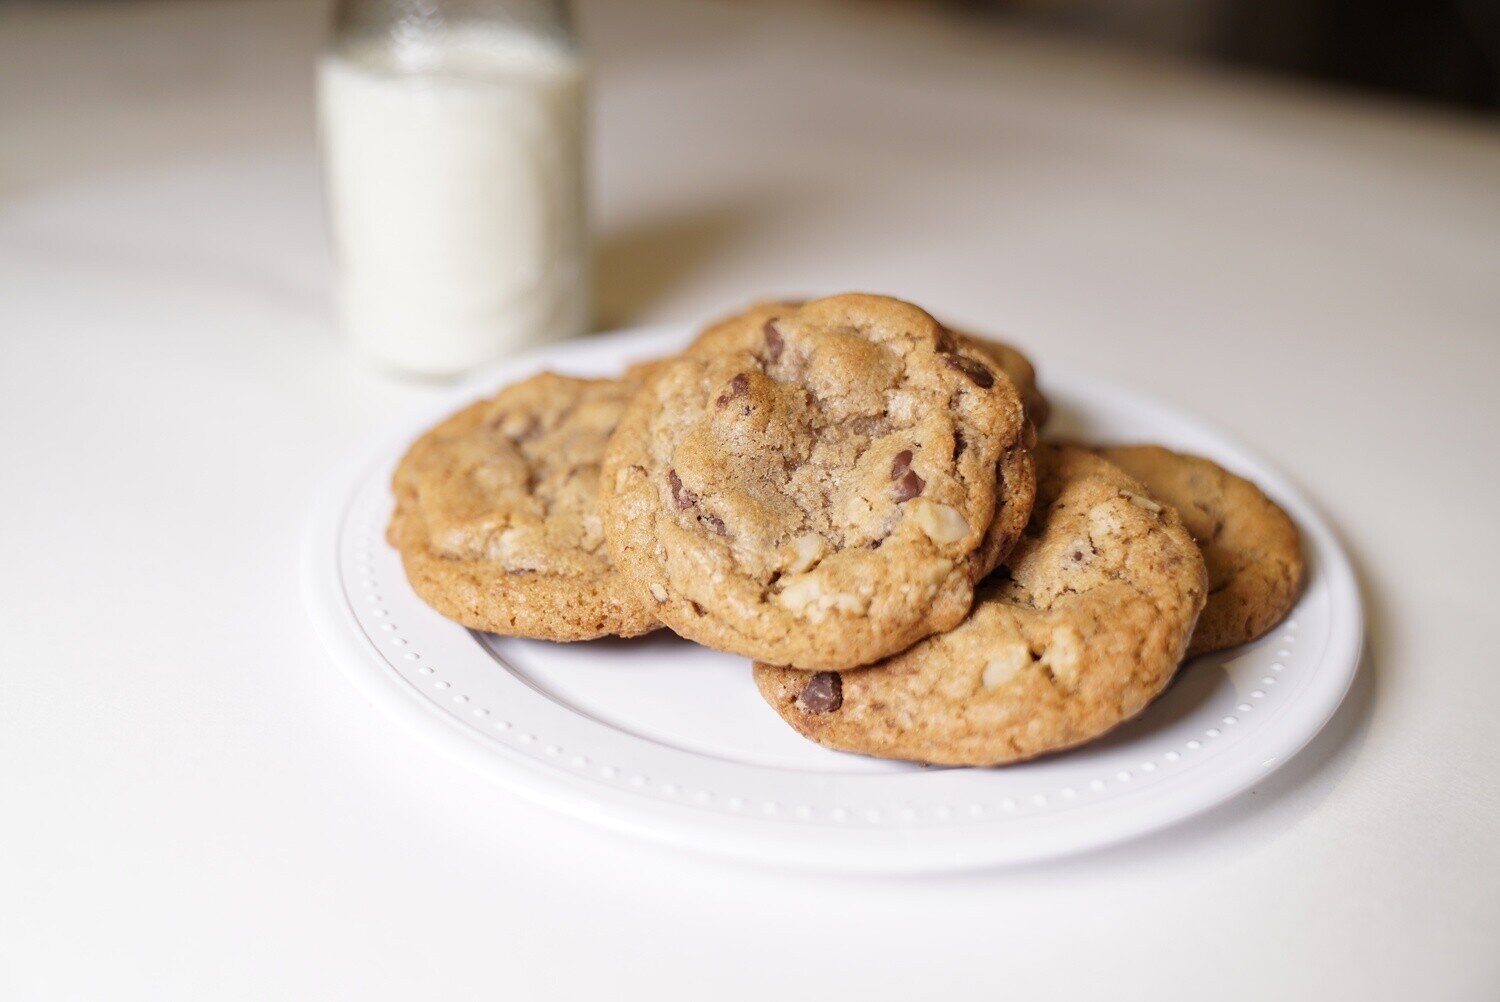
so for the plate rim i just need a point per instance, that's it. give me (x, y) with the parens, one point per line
(750, 838)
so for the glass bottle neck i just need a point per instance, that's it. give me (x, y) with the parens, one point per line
(417, 23)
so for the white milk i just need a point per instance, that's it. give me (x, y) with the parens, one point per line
(454, 169)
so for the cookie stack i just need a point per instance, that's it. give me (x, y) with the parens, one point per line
(854, 497)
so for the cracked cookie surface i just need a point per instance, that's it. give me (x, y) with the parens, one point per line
(1252, 548)
(1020, 370)
(497, 517)
(817, 487)
(1084, 626)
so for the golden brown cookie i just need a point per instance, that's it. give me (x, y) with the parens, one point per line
(1082, 629)
(1021, 372)
(497, 515)
(1253, 550)
(1008, 359)
(818, 489)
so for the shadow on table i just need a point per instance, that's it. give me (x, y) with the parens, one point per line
(638, 266)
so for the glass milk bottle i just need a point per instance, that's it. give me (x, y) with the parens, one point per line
(453, 147)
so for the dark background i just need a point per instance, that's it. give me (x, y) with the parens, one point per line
(1443, 51)
(1436, 51)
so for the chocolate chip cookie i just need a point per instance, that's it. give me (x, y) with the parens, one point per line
(1081, 629)
(497, 519)
(1020, 370)
(1251, 546)
(1007, 359)
(819, 486)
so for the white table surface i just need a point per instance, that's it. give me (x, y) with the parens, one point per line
(197, 805)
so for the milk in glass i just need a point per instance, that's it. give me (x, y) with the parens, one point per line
(454, 172)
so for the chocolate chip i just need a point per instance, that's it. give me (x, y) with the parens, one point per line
(959, 444)
(900, 464)
(824, 693)
(681, 496)
(738, 387)
(981, 376)
(774, 343)
(908, 484)
(945, 341)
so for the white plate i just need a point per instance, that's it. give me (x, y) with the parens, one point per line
(662, 739)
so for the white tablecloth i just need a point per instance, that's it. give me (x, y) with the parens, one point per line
(197, 805)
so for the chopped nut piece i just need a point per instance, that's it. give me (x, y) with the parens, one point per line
(941, 523)
(1062, 656)
(658, 592)
(799, 594)
(806, 597)
(515, 547)
(518, 426)
(1005, 665)
(807, 550)
(1140, 501)
(856, 605)
(593, 532)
